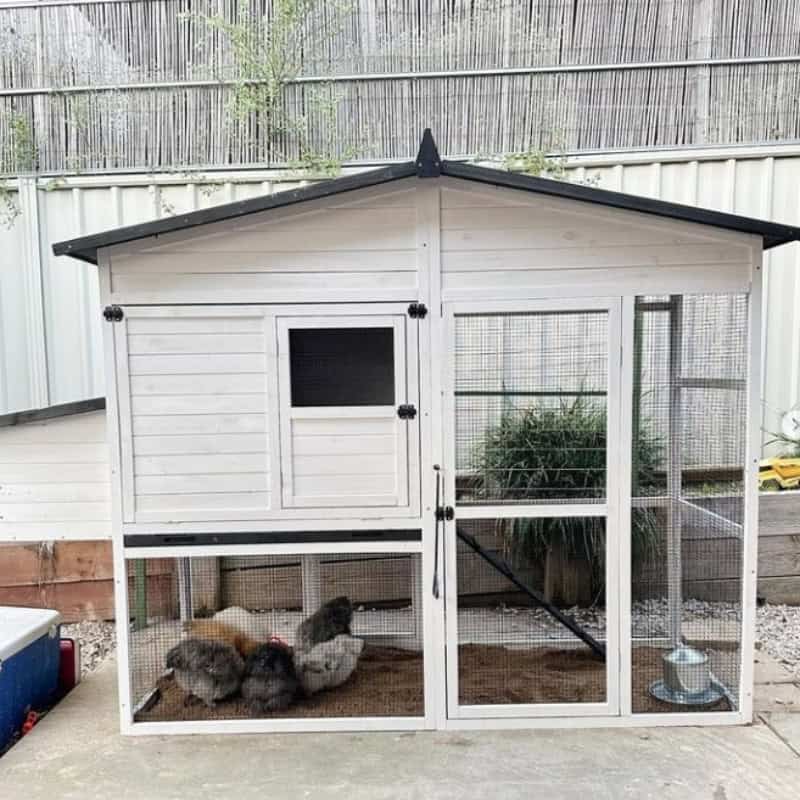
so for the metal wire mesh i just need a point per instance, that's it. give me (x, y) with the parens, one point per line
(510, 649)
(530, 407)
(690, 408)
(229, 638)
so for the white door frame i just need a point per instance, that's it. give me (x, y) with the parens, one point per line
(616, 454)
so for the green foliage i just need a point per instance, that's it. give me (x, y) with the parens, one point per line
(538, 164)
(550, 453)
(22, 154)
(266, 50)
(542, 164)
(19, 155)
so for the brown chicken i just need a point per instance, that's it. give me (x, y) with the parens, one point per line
(214, 631)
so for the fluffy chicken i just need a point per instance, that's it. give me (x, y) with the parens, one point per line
(328, 664)
(330, 620)
(208, 670)
(215, 631)
(270, 681)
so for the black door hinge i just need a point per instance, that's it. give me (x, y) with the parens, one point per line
(445, 513)
(417, 311)
(113, 314)
(406, 411)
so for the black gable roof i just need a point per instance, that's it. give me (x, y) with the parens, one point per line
(428, 164)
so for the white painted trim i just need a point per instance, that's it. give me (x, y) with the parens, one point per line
(125, 419)
(626, 505)
(616, 459)
(532, 511)
(296, 725)
(667, 719)
(428, 256)
(752, 456)
(121, 605)
(289, 549)
(330, 519)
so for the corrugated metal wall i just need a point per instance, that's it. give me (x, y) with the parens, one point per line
(51, 350)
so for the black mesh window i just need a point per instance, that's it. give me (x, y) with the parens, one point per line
(342, 366)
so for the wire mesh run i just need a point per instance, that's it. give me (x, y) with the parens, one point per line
(690, 378)
(266, 636)
(530, 407)
(535, 631)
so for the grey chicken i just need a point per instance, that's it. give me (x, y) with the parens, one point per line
(270, 681)
(206, 669)
(328, 664)
(329, 621)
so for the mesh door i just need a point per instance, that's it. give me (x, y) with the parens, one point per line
(233, 626)
(531, 410)
(511, 650)
(688, 496)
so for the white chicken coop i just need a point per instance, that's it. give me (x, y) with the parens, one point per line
(508, 424)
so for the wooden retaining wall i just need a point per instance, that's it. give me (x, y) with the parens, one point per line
(76, 577)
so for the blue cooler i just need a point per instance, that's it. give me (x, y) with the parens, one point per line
(30, 653)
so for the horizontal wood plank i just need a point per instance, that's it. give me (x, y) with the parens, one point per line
(199, 424)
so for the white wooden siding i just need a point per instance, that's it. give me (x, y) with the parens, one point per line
(54, 479)
(341, 250)
(197, 442)
(499, 242)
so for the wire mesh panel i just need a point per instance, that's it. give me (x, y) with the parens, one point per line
(277, 636)
(530, 407)
(531, 611)
(689, 449)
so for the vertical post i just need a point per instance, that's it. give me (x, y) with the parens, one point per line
(752, 456)
(674, 467)
(185, 588)
(636, 408)
(312, 589)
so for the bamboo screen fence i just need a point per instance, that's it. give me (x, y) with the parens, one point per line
(136, 85)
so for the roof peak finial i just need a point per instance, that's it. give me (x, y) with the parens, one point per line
(429, 165)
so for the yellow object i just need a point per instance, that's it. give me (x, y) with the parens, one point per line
(775, 474)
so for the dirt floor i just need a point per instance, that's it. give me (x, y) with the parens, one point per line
(389, 682)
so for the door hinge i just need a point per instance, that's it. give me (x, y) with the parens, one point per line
(417, 311)
(406, 411)
(113, 314)
(445, 513)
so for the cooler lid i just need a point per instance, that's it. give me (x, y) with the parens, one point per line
(21, 626)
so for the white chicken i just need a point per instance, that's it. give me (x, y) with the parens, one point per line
(328, 664)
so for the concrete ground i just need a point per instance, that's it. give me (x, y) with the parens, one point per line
(76, 752)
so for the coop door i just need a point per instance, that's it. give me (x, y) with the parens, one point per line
(349, 412)
(532, 434)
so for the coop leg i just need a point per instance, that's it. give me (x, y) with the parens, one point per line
(311, 584)
(674, 477)
(185, 588)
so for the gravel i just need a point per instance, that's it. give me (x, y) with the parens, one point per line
(778, 634)
(97, 640)
(777, 627)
